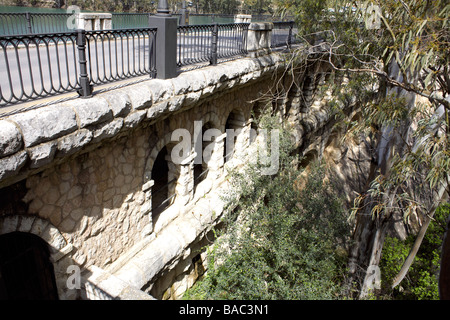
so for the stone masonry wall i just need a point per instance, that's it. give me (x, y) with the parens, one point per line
(86, 163)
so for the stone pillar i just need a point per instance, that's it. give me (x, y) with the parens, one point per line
(185, 185)
(94, 21)
(259, 38)
(243, 18)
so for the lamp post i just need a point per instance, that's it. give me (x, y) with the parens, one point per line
(163, 8)
(184, 14)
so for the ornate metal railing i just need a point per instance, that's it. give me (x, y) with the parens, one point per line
(283, 34)
(120, 54)
(46, 64)
(36, 66)
(41, 65)
(208, 43)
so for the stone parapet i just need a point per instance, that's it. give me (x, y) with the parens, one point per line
(37, 139)
(94, 21)
(101, 285)
(259, 36)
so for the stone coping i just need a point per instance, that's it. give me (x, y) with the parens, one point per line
(37, 139)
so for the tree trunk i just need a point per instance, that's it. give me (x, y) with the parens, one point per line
(370, 230)
(444, 273)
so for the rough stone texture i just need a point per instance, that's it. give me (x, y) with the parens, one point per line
(73, 142)
(42, 154)
(10, 165)
(91, 111)
(10, 138)
(45, 124)
(98, 195)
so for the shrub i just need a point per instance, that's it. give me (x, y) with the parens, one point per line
(421, 282)
(281, 242)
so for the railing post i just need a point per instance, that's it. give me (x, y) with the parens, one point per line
(289, 42)
(215, 35)
(166, 41)
(86, 88)
(28, 17)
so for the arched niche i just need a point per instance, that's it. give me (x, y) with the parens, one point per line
(161, 175)
(48, 246)
(234, 127)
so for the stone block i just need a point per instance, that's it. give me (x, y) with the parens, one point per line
(25, 224)
(11, 165)
(42, 154)
(181, 84)
(134, 118)
(175, 103)
(140, 96)
(9, 224)
(10, 138)
(157, 109)
(92, 111)
(44, 124)
(119, 102)
(161, 89)
(73, 142)
(108, 130)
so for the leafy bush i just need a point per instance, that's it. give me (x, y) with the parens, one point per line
(421, 282)
(281, 241)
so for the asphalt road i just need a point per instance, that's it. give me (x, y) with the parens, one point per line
(52, 68)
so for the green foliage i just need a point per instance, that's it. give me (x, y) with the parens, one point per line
(218, 6)
(281, 241)
(421, 282)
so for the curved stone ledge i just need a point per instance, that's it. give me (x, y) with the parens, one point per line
(32, 140)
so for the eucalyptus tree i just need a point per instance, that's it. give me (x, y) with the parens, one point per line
(393, 52)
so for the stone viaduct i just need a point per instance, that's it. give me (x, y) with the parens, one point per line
(86, 180)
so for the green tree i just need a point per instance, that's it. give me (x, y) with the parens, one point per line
(393, 52)
(218, 6)
(422, 279)
(257, 6)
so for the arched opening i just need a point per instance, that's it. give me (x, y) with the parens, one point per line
(233, 127)
(26, 272)
(201, 169)
(160, 189)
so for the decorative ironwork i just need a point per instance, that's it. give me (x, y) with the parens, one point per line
(42, 65)
(208, 43)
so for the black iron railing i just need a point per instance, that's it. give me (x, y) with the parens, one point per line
(283, 34)
(194, 44)
(45, 64)
(41, 65)
(120, 54)
(232, 39)
(208, 43)
(34, 66)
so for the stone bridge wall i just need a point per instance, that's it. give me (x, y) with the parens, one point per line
(79, 173)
